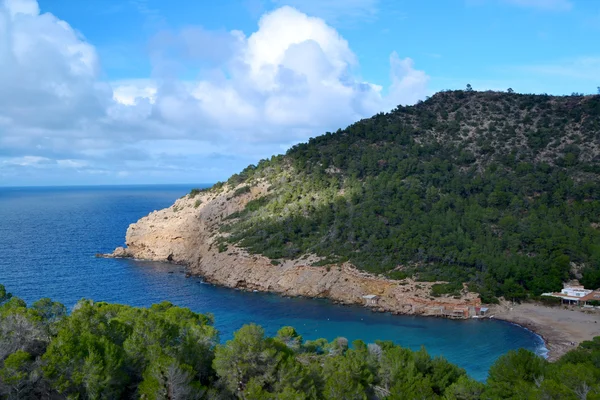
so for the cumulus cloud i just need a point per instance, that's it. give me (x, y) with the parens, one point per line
(294, 74)
(408, 84)
(47, 67)
(251, 96)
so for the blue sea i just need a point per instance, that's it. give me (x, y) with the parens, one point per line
(49, 238)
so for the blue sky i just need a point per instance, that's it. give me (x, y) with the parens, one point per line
(150, 91)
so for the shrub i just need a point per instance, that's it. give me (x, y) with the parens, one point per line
(254, 205)
(446, 288)
(397, 275)
(241, 191)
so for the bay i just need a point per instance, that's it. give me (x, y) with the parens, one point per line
(49, 237)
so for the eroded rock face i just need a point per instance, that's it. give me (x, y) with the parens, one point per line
(186, 232)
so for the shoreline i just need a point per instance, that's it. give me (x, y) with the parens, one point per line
(187, 233)
(546, 350)
(561, 328)
(555, 342)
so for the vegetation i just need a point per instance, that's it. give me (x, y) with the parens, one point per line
(111, 351)
(195, 192)
(439, 289)
(242, 190)
(497, 190)
(222, 247)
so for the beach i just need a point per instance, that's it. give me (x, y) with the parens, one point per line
(561, 327)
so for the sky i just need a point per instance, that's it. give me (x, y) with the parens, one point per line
(181, 91)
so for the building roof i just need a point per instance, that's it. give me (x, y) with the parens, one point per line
(595, 295)
(564, 296)
(370, 296)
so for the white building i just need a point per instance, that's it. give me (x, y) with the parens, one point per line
(571, 294)
(575, 291)
(371, 299)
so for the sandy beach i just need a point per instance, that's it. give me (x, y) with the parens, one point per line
(562, 327)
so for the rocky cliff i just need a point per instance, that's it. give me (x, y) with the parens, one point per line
(188, 233)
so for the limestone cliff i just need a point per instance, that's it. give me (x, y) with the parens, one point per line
(187, 233)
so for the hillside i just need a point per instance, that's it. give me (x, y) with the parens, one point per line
(498, 190)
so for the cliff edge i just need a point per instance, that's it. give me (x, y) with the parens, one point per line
(188, 233)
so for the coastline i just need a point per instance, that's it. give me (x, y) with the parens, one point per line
(561, 328)
(188, 233)
(543, 321)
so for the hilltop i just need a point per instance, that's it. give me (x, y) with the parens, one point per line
(488, 192)
(499, 190)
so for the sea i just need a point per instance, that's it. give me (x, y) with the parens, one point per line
(49, 237)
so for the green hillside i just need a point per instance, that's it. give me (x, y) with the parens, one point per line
(500, 190)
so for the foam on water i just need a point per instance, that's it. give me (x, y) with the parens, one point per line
(49, 236)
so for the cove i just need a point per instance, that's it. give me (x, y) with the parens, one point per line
(48, 238)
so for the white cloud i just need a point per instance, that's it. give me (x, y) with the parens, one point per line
(71, 163)
(49, 74)
(26, 7)
(408, 84)
(285, 37)
(129, 93)
(293, 78)
(27, 161)
(294, 74)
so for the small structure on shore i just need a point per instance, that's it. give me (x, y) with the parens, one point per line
(572, 294)
(481, 311)
(371, 300)
(460, 312)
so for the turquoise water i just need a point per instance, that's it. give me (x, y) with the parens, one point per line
(49, 236)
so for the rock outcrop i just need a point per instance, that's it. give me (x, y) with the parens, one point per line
(187, 233)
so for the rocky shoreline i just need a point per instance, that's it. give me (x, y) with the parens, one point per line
(187, 233)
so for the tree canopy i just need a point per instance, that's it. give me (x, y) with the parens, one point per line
(498, 190)
(111, 351)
